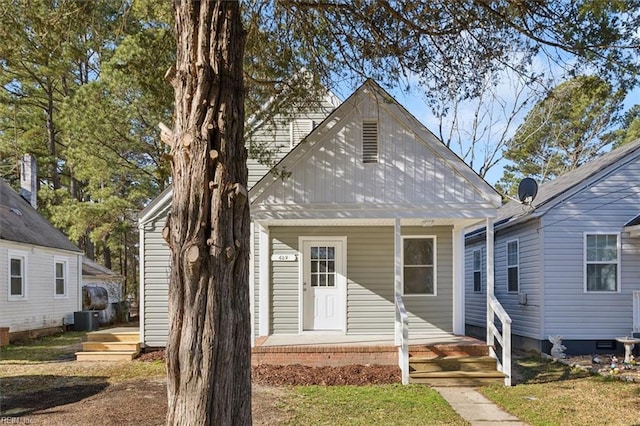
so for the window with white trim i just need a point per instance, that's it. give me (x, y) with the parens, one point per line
(513, 266)
(60, 273)
(477, 271)
(370, 141)
(419, 268)
(17, 275)
(602, 257)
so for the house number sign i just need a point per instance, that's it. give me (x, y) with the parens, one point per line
(284, 257)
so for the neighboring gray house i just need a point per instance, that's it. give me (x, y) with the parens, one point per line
(569, 264)
(372, 208)
(40, 268)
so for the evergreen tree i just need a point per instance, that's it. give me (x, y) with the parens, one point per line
(629, 129)
(561, 132)
(208, 359)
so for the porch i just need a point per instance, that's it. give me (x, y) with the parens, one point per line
(440, 359)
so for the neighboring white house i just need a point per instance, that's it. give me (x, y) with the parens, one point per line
(569, 264)
(372, 207)
(40, 268)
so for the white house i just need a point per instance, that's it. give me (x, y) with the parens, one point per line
(40, 269)
(569, 264)
(370, 212)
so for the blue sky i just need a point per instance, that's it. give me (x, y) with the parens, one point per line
(415, 103)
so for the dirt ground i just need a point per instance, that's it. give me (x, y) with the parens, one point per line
(80, 400)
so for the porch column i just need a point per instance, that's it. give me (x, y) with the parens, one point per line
(397, 239)
(458, 280)
(264, 262)
(490, 278)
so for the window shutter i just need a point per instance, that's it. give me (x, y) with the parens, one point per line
(370, 142)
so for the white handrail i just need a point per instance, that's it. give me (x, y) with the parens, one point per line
(495, 309)
(402, 338)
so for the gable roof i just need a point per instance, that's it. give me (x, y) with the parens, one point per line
(93, 269)
(21, 223)
(444, 159)
(162, 202)
(553, 192)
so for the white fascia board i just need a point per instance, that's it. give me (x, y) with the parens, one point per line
(445, 154)
(350, 211)
(634, 231)
(161, 205)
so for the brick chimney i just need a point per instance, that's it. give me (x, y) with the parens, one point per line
(28, 180)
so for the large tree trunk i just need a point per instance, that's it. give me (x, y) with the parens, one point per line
(208, 352)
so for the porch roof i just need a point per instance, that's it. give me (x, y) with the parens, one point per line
(633, 227)
(380, 218)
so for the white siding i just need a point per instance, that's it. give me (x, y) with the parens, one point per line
(604, 207)
(157, 266)
(370, 308)
(409, 171)
(279, 136)
(39, 309)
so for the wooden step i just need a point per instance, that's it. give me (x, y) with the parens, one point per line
(452, 363)
(113, 336)
(106, 356)
(110, 346)
(457, 378)
(440, 350)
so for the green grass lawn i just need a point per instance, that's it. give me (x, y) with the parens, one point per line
(370, 405)
(546, 393)
(550, 393)
(50, 348)
(44, 357)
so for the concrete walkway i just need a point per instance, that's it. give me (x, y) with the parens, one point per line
(475, 408)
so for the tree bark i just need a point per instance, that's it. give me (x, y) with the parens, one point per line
(208, 351)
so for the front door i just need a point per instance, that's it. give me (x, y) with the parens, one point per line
(323, 285)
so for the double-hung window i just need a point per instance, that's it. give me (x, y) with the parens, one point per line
(513, 266)
(17, 275)
(60, 272)
(419, 267)
(602, 262)
(477, 271)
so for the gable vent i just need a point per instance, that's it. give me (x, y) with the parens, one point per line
(370, 142)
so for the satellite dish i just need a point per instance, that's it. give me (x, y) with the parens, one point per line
(527, 190)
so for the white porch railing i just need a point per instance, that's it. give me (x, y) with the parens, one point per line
(495, 309)
(402, 338)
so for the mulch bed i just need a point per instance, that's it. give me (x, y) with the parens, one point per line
(302, 375)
